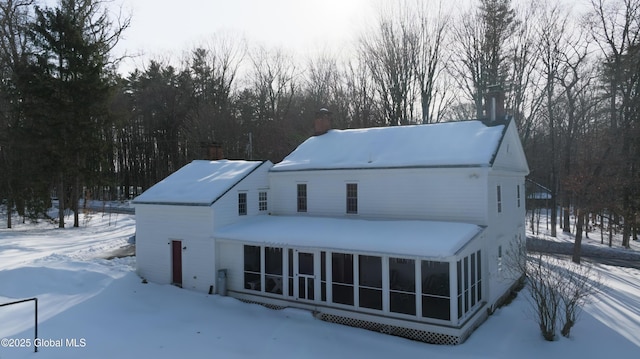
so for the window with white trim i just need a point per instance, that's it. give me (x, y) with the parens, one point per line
(352, 198)
(302, 197)
(499, 199)
(262, 201)
(242, 204)
(469, 273)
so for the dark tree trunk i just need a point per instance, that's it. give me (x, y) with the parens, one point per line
(578, 242)
(9, 213)
(75, 198)
(61, 201)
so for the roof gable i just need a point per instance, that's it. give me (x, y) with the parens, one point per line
(510, 155)
(450, 144)
(198, 183)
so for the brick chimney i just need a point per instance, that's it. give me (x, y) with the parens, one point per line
(214, 151)
(494, 104)
(322, 122)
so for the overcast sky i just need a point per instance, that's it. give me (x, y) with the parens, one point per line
(161, 28)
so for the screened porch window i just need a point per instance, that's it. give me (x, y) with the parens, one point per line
(435, 290)
(342, 276)
(370, 289)
(469, 282)
(252, 266)
(402, 285)
(273, 269)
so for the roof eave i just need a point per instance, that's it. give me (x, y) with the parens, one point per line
(202, 204)
(477, 165)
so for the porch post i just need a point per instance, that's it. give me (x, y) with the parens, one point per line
(453, 291)
(285, 271)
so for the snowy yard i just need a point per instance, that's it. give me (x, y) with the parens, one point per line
(106, 308)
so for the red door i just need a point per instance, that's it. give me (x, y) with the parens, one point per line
(176, 260)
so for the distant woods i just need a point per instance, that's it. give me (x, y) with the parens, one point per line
(72, 126)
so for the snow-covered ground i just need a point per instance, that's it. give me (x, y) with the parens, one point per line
(103, 306)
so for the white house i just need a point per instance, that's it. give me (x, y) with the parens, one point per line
(395, 229)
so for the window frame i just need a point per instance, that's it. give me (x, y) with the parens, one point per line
(263, 204)
(301, 190)
(242, 204)
(352, 198)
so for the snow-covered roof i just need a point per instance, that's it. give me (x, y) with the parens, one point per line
(465, 143)
(400, 237)
(198, 183)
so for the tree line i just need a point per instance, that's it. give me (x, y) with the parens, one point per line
(70, 123)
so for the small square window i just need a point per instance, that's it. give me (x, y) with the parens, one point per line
(242, 204)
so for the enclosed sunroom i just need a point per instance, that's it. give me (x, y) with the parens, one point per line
(418, 279)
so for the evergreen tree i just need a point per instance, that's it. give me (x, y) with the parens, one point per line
(66, 85)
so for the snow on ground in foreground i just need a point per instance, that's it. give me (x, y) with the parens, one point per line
(108, 310)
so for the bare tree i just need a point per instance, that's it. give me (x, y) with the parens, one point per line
(481, 62)
(558, 289)
(553, 23)
(390, 52)
(363, 111)
(524, 84)
(431, 61)
(274, 82)
(214, 67)
(616, 30)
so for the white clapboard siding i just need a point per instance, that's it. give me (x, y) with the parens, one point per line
(510, 156)
(456, 194)
(231, 258)
(507, 226)
(226, 208)
(157, 226)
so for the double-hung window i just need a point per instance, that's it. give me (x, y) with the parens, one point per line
(302, 197)
(352, 198)
(262, 201)
(242, 204)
